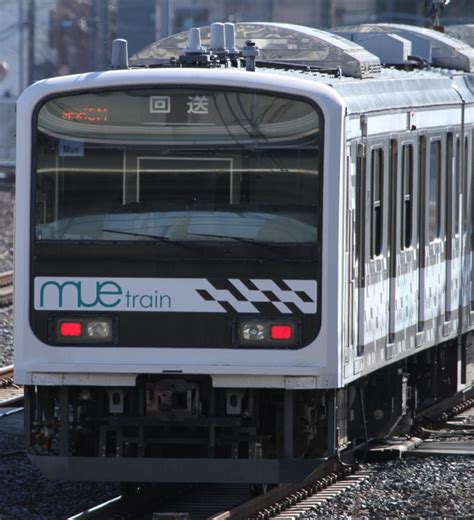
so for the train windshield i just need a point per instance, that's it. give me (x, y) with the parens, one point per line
(193, 165)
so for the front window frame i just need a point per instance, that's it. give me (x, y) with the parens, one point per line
(173, 87)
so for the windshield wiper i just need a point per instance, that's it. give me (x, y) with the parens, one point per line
(237, 239)
(158, 238)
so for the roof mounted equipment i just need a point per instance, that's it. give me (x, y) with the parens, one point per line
(434, 9)
(119, 54)
(194, 42)
(218, 43)
(437, 49)
(250, 52)
(390, 48)
(229, 29)
(277, 42)
(194, 52)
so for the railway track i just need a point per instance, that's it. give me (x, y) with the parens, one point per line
(197, 501)
(10, 393)
(227, 502)
(6, 288)
(287, 501)
(290, 501)
(453, 436)
(212, 502)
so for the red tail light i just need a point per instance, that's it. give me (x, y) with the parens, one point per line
(281, 332)
(70, 328)
(91, 329)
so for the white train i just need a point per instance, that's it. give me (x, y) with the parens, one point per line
(228, 269)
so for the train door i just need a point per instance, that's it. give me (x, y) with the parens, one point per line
(403, 254)
(468, 225)
(373, 309)
(359, 156)
(351, 258)
(466, 229)
(453, 232)
(432, 270)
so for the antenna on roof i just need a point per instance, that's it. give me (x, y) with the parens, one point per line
(229, 30)
(217, 42)
(250, 53)
(194, 41)
(119, 54)
(195, 53)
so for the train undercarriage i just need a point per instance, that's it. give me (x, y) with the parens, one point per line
(181, 429)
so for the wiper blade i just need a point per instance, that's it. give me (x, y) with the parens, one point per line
(237, 239)
(158, 238)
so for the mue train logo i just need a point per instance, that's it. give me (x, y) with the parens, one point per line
(173, 295)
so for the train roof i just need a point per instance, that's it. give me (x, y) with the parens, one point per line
(372, 66)
(395, 89)
(357, 51)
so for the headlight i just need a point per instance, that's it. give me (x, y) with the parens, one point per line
(99, 329)
(253, 332)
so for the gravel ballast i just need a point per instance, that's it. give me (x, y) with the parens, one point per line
(6, 229)
(26, 494)
(6, 336)
(6, 264)
(434, 487)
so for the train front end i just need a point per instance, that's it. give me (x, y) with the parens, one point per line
(177, 274)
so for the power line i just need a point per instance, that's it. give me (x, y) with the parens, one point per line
(31, 40)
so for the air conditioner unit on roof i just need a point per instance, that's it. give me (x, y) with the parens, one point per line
(436, 48)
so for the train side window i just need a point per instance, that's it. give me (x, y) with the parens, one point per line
(360, 198)
(376, 209)
(434, 191)
(457, 187)
(467, 186)
(467, 175)
(406, 210)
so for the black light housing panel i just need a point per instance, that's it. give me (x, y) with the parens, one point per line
(84, 330)
(268, 333)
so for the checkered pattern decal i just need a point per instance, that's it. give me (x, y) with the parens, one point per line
(260, 296)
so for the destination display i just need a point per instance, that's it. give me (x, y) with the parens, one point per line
(87, 115)
(179, 108)
(178, 113)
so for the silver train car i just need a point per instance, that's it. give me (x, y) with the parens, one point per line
(231, 265)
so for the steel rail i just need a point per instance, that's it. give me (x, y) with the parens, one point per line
(303, 501)
(281, 497)
(10, 393)
(126, 505)
(6, 288)
(104, 509)
(451, 435)
(6, 371)
(446, 408)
